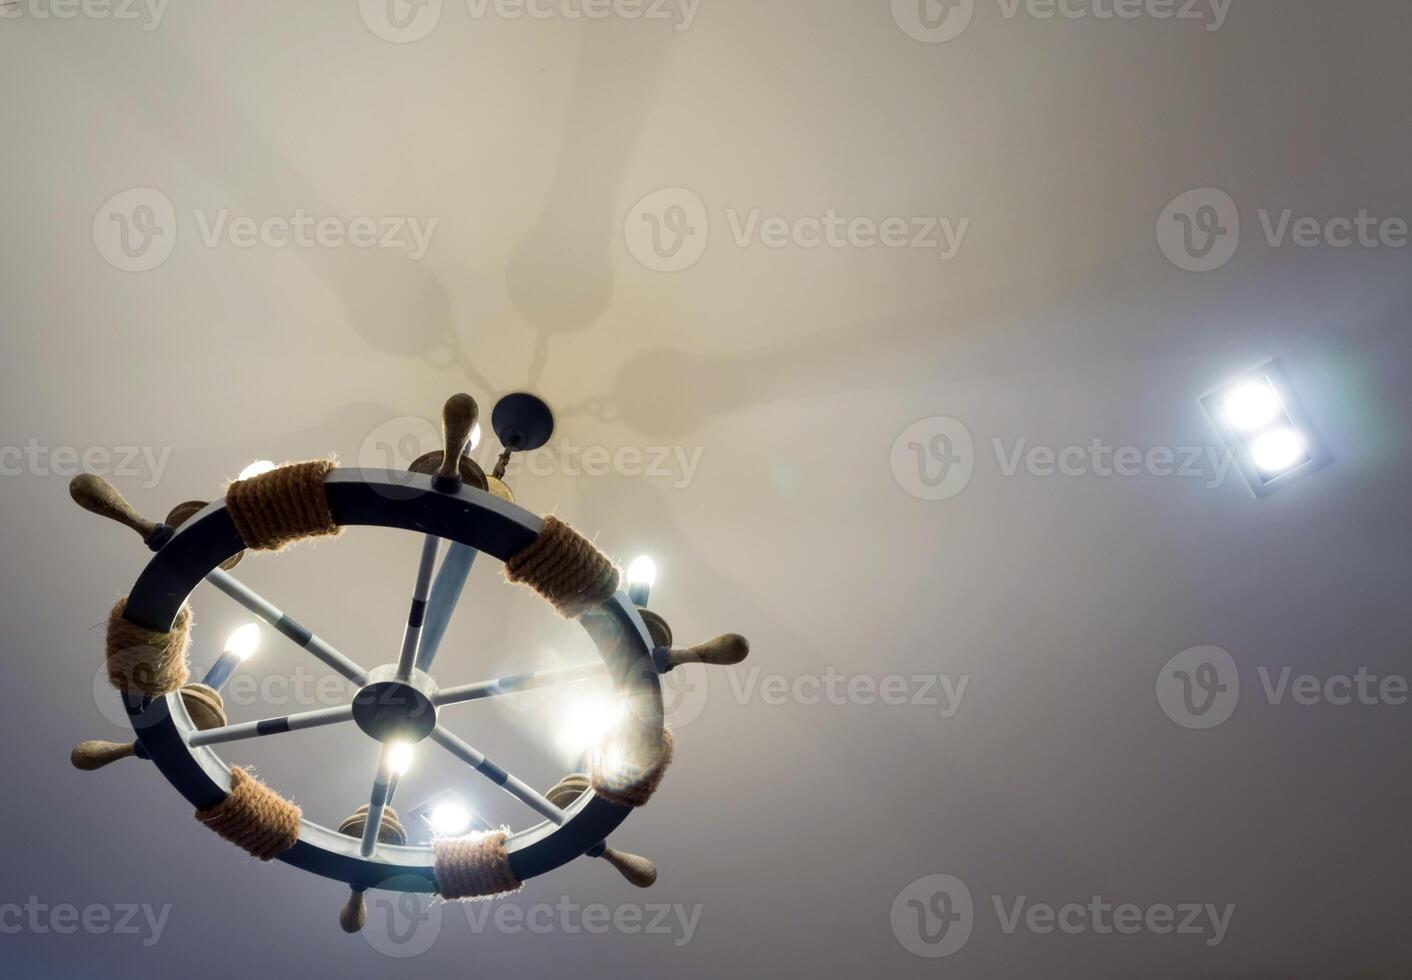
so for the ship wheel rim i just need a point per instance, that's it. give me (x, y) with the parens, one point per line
(393, 499)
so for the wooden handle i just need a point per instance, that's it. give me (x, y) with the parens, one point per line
(634, 867)
(723, 651)
(97, 495)
(354, 914)
(458, 418)
(89, 756)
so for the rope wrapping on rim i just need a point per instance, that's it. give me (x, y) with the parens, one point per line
(288, 504)
(254, 817)
(147, 662)
(629, 777)
(476, 866)
(565, 568)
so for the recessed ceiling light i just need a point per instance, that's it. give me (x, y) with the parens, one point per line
(450, 818)
(1268, 434)
(446, 814)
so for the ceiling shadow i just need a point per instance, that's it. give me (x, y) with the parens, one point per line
(560, 276)
(394, 304)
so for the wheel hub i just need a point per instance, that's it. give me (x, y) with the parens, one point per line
(392, 710)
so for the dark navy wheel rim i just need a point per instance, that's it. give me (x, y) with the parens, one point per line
(378, 498)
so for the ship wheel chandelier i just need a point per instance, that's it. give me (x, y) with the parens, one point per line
(181, 725)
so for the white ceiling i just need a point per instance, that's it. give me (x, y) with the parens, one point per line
(791, 371)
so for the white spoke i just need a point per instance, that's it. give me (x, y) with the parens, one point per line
(510, 783)
(377, 803)
(282, 624)
(411, 636)
(273, 726)
(517, 682)
(445, 593)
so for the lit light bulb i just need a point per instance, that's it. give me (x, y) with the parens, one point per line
(586, 723)
(450, 819)
(475, 439)
(1251, 406)
(1278, 450)
(243, 641)
(399, 758)
(255, 469)
(642, 571)
(642, 575)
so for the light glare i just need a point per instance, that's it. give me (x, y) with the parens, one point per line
(612, 761)
(450, 819)
(243, 641)
(399, 758)
(1251, 406)
(1277, 451)
(642, 571)
(585, 723)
